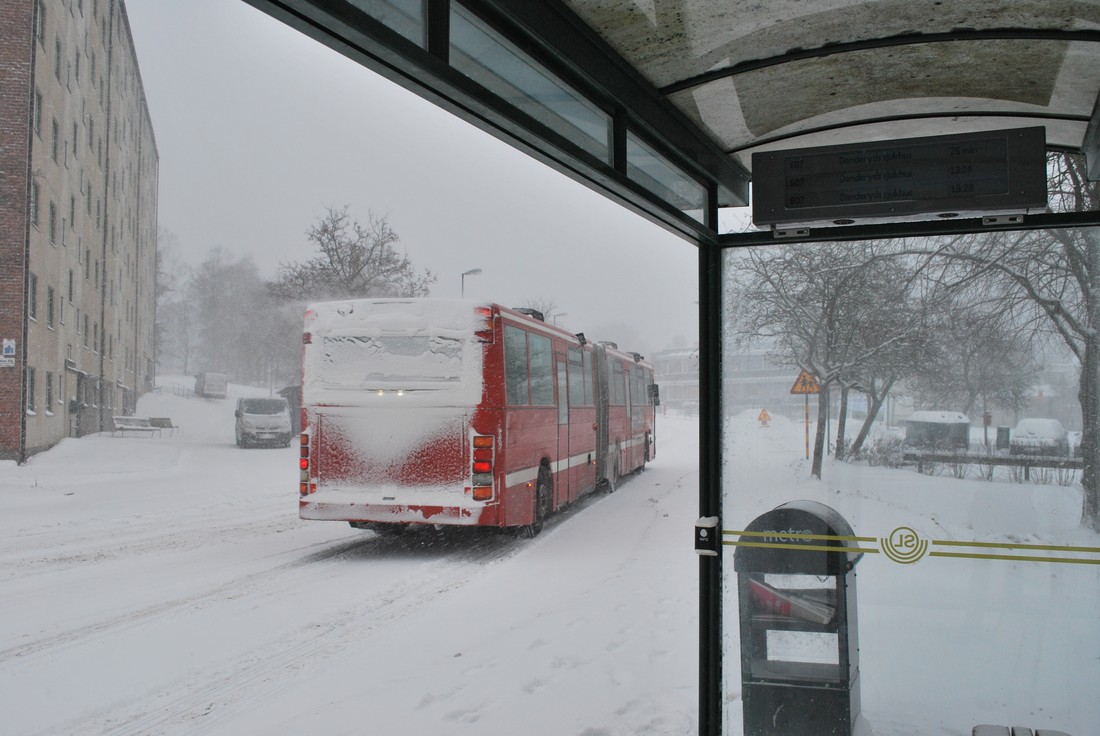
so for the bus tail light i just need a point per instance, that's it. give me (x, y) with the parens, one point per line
(484, 321)
(481, 467)
(304, 485)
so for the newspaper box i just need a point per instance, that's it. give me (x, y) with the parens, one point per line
(796, 585)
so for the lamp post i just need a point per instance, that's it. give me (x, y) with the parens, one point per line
(471, 272)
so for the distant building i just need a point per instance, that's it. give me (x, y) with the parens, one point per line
(78, 222)
(752, 380)
(676, 371)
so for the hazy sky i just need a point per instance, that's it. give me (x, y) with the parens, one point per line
(260, 129)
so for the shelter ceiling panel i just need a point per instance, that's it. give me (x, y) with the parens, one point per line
(670, 41)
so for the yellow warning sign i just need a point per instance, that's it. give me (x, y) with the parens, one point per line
(764, 417)
(805, 384)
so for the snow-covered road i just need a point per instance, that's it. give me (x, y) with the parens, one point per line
(165, 585)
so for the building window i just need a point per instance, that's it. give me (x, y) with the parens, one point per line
(55, 140)
(30, 391)
(85, 330)
(32, 297)
(53, 223)
(41, 22)
(37, 111)
(76, 140)
(49, 307)
(49, 393)
(35, 192)
(57, 58)
(70, 286)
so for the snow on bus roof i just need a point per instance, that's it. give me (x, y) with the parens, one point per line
(938, 417)
(417, 312)
(388, 313)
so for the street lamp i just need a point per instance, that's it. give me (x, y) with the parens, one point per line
(471, 272)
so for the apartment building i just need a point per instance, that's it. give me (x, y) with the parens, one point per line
(78, 222)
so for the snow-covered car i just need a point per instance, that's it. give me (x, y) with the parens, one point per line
(1039, 437)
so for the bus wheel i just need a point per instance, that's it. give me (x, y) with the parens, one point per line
(544, 496)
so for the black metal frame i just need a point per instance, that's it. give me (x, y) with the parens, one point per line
(884, 231)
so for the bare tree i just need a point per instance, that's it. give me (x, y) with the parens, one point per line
(173, 328)
(981, 359)
(353, 260)
(243, 329)
(544, 305)
(840, 311)
(1050, 279)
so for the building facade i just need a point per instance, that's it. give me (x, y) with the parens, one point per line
(78, 222)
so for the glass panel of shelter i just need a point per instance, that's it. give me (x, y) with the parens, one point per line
(978, 583)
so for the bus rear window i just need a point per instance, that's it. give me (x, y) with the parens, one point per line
(358, 361)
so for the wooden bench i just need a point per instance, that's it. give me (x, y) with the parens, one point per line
(163, 423)
(136, 425)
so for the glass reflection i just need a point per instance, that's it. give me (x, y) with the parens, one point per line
(490, 60)
(404, 16)
(654, 172)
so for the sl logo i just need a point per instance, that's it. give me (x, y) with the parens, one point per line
(904, 546)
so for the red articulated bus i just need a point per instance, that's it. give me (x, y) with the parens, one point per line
(453, 412)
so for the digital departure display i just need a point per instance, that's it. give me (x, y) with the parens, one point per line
(972, 173)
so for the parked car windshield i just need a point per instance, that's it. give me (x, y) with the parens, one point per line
(264, 406)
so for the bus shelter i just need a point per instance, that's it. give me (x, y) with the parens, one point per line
(896, 156)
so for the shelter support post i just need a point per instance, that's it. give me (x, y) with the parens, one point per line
(710, 487)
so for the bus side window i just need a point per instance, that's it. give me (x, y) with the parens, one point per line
(576, 378)
(637, 386)
(618, 388)
(589, 398)
(542, 370)
(515, 366)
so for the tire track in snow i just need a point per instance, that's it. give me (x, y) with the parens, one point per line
(206, 701)
(81, 634)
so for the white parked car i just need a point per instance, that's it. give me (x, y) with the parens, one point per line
(263, 422)
(1039, 437)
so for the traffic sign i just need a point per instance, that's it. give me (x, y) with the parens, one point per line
(805, 384)
(764, 417)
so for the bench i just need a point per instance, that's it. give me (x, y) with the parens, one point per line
(136, 425)
(163, 423)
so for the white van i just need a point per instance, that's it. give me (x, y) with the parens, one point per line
(211, 385)
(263, 422)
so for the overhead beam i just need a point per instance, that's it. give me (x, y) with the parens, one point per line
(930, 228)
